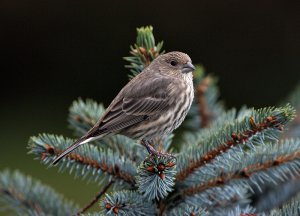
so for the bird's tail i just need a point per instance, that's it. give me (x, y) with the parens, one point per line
(75, 145)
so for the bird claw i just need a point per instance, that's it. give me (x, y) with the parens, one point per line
(166, 155)
(154, 153)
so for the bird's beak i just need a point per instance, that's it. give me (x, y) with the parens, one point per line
(188, 67)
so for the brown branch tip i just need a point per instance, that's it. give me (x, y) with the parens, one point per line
(203, 109)
(85, 119)
(146, 55)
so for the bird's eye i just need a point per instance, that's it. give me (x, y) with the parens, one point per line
(173, 63)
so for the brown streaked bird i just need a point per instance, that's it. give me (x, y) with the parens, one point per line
(151, 105)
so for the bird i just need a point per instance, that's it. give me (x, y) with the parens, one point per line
(151, 105)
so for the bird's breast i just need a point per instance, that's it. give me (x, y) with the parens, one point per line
(167, 121)
(164, 122)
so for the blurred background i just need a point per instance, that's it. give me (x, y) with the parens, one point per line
(52, 52)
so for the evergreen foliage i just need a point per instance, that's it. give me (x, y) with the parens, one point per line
(223, 161)
(143, 51)
(294, 100)
(156, 177)
(28, 196)
(129, 203)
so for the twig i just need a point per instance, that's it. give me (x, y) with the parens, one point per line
(161, 207)
(97, 197)
(204, 112)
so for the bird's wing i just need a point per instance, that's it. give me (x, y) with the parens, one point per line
(137, 103)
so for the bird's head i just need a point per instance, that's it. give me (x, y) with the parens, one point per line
(175, 63)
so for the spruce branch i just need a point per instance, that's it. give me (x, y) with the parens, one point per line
(294, 97)
(294, 126)
(238, 211)
(274, 164)
(129, 203)
(251, 131)
(187, 210)
(219, 199)
(290, 208)
(143, 51)
(86, 160)
(225, 118)
(275, 195)
(156, 175)
(96, 198)
(27, 196)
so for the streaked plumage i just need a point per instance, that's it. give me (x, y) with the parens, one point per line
(152, 104)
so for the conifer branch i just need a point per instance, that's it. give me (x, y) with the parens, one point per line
(187, 210)
(96, 198)
(238, 211)
(225, 118)
(219, 199)
(128, 203)
(27, 196)
(235, 136)
(294, 126)
(156, 177)
(291, 207)
(275, 195)
(87, 159)
(32, 206)
(271, 159)
(143, 51)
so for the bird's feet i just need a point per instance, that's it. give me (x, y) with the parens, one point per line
(153, 152)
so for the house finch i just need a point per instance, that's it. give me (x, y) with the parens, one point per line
(151, 105)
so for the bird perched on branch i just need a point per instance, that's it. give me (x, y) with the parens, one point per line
(151, 105)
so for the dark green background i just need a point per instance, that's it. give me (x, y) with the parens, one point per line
(52, 52)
